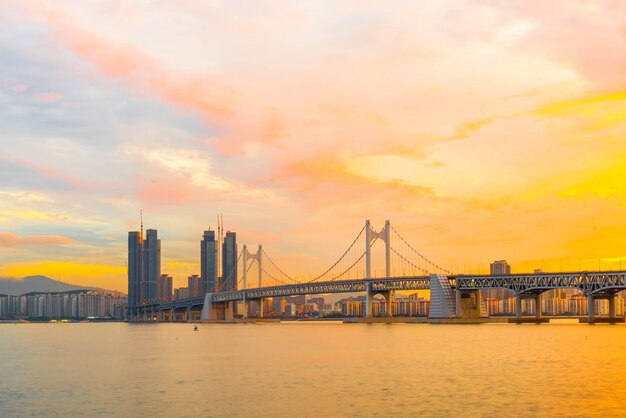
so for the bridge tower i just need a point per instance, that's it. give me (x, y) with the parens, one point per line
(248, 256)
(370, 236)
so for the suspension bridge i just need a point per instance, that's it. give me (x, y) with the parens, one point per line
(405, 269)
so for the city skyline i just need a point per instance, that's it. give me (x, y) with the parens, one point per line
(520, 159)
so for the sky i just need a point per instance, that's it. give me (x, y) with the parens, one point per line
(483, 130)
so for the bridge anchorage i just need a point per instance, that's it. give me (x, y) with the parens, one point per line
(453, 297)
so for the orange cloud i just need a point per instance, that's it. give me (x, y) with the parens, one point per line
(9, 239)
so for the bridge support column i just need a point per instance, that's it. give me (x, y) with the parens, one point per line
(518, 307)
(368, 258)
(151, 314)
(538, 306)
(245, 307)
(387, 235)
(260, 302)
(611, 306)
(590, 310)
(389, 298)
(457, 308)
(229, 311)
(189, 314)
(368, 300)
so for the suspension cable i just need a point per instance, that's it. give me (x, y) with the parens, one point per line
(409, 262)
(340, 258)
(420, 255)
(278, 268)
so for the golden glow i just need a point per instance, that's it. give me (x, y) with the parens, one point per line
(507, 142)
(106, 276)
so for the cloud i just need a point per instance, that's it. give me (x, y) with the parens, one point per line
(48, 97)
(466, 129)
(9, 239)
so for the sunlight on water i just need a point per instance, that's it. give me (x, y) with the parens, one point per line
(313, 369)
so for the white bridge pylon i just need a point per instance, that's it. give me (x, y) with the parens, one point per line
(248, 256)
(370, 236)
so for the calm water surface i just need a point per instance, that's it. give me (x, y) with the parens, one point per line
(312, 370)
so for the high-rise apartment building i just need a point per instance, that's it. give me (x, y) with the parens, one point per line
(164, 287)
(499, 267)
(208, 262)
(151, 264)
(194, 285)
(229, 262)
(135, 266)
(144, 266)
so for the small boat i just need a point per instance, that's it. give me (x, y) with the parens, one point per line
(195, 328)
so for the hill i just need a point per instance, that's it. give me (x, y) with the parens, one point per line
(39, 284)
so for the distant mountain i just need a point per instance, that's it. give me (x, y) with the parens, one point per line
(41, 284)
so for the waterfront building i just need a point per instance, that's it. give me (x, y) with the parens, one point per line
(499, 267)
(151, 264)
(290, 309)
(229, 262)
(208, 262)
(135, 247)
(63, 305)
(181, 293)
(193, 285)
(164, 287)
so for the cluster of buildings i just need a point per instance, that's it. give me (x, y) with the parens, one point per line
(554, 303)
(146, 283)
(64, 305)
(411, 305)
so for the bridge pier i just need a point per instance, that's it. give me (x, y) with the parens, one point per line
(590, 307)
(538, 313)
(188, 314)
(592, 318)
(245, 307)
(612, 306)
(368, 300)
(260, 302)
(469, 304)
(538, 306)
(388, 295)
(222, 311)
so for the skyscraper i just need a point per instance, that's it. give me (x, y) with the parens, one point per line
(208, 262)
(151, 264)
(135, 267)
(229, 262)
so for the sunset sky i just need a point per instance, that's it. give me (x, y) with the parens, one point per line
(483, 130)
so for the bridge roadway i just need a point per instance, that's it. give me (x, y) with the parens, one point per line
(595, 285)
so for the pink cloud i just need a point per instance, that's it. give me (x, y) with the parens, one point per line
(48, 172)
(136, 69)
(47, 97)
(11, 240)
